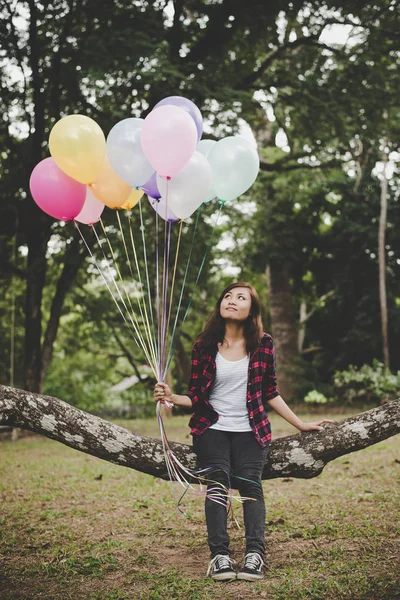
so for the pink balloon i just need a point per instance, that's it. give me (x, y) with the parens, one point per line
(56, 193)
(169, 138)
(92, 209)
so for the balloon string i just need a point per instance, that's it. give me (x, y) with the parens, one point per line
(141, 283)
(140, 298)
(170, 353)
(136, 339)
(132, 238)
(174, 273)
(216, 491)
(181, 293)
(158, 295)
(164, 282)
(147, 273)
(203, 261)
(132, 314)
(165, 330)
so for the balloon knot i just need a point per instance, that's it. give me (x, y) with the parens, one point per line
(168, 178)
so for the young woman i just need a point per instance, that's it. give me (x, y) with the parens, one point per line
(232, 381)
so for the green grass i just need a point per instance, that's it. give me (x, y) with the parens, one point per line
(65, 535)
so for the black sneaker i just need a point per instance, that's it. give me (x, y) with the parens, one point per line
(221, 568)
(252, 568)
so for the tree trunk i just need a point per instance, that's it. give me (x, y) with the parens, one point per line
(36, 276)
(182, 359)
(303, 455)
(73, 259)
(35, 226)
(382, 261)
(302, 326)
(283, 328)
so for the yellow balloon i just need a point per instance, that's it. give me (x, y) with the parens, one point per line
(109, 188)
(78, 147)
(133, 199)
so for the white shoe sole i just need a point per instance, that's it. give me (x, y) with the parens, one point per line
(224, 576)
(249, 576)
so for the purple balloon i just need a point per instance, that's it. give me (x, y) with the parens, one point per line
(187, 105)
(150, 187)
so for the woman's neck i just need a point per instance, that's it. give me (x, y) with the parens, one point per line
(234, 332)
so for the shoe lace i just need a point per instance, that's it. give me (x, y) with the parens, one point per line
(220, 561)
(253, 560)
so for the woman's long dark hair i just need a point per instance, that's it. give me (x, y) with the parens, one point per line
(214, 331)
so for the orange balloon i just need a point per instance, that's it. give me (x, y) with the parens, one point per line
(133, 199)
(109, 188)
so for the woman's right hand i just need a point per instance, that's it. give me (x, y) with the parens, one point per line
(162, 392)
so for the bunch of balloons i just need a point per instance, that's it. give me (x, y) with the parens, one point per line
(161, 155)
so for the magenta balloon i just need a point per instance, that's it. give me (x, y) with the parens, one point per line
(187, 105)
(150, 187)
(56, 193)
(91, 210)
(169, 138)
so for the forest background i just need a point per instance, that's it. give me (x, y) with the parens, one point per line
(318, 234)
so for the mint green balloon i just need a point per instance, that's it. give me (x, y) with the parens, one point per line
(235, 165)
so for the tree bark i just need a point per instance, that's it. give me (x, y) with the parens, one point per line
(302, 456)
(382, 258)
(284, 328)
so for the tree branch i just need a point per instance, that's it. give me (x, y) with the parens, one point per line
(303, 455)
(127, 354)
(320, 301)
(283, 166)
(277, 53)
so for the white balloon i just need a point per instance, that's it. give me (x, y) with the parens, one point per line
(189, 188)
(162, 210)
(205, 147)
(124, 151)
(235, 165)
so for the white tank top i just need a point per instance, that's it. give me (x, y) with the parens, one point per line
(228, 394)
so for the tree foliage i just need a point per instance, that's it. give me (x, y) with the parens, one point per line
(313, 210)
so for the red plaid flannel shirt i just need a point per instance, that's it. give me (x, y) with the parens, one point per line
(261, 387)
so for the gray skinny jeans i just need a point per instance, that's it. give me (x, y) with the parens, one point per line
(234, 455)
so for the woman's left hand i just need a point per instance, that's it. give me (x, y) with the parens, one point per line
(314, 426)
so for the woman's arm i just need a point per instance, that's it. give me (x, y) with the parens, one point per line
(280, 407)
(163, 392)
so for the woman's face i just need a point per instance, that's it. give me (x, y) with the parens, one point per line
(236, 304)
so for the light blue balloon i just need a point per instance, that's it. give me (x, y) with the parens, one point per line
(235, 165)
(124, 151)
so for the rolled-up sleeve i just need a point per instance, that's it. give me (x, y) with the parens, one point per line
(270, 384)
(195, 376)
